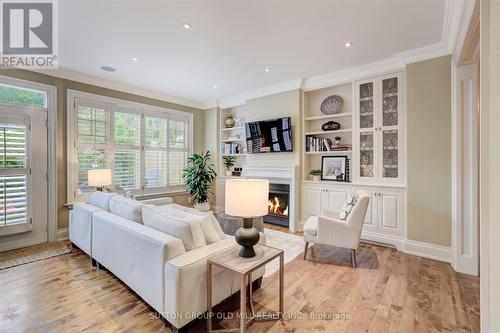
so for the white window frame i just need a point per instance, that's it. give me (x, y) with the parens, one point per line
(51, 109)
(116, 104)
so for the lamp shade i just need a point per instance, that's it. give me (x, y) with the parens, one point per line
(247, 197)
(100, 177)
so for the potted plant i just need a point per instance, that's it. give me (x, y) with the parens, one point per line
(229, 163)
(199, 176)
(316, 174)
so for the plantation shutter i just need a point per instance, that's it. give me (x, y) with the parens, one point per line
(92, 140)
(127, 143)
(14, 171)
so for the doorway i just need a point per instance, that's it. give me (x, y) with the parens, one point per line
(23, 167)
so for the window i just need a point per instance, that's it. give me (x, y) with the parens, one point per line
(146, 147)
(22, 96)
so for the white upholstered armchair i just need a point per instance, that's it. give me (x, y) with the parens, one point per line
(328, 229)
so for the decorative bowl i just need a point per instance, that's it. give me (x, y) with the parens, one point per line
(332, 104)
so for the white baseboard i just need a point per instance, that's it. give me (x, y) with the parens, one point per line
(421, 249)
(427, 250)
(397, 242)
(62, 234)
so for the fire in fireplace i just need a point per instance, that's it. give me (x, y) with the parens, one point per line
(279, 195)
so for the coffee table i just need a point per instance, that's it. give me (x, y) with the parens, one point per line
(230, 259)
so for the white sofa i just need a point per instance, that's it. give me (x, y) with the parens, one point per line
(152, 263)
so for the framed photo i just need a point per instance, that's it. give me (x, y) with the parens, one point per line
(335, 168)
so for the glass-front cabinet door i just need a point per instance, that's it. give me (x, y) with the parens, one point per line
(390, 129)
(379, 130)
(366, 124)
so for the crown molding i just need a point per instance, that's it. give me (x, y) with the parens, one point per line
(241, 99)
(115, 85)
(347, 75)
(463, 20)
(422, 53)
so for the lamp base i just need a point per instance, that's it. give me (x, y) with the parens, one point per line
(247, 237)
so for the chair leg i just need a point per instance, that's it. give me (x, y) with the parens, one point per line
(305, 250)
(353, 258)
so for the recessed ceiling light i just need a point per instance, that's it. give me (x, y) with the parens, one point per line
(267, 69)
(186, 26)
(108, 69)
(348, 44)
(135, 59)
(215, 86)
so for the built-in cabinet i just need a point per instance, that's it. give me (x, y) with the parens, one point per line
(384, 216)
(372, 119)
(379, 130)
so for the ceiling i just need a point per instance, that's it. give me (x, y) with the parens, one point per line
(231, 42)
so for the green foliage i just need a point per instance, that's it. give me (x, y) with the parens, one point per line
(18, 96)
(315, 172)
(199, 176)
(229, 161)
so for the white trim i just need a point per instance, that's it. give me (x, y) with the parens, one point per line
(63, 234)
(119, 86)
(112, 104)
(241, 99)
(352, 74)
(422, 53)
(428, 250)
(463, 22)
(51, 108)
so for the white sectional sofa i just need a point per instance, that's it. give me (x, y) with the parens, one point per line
(166, 271)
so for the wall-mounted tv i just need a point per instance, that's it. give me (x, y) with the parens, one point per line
(269, 136)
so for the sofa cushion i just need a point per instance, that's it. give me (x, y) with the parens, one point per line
(101, 199)
(186, 228)
(209, 223)
(129, 209)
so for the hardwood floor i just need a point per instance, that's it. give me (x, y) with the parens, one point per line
(388, 292)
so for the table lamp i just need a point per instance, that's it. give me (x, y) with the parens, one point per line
(247, 198)
(99, 178)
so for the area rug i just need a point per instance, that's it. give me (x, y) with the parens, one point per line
(291, 244)
(33, 253)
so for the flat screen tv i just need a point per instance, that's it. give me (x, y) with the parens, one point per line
(269, 136)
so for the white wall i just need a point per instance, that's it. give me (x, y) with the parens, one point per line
(490, 166)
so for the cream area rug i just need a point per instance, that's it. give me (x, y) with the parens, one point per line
(291, 244)
(33, 253)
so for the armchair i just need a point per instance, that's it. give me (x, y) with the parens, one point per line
(328, 229)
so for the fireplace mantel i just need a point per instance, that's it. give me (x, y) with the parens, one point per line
(284, 174)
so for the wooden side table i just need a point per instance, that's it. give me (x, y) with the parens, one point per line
(230, 259)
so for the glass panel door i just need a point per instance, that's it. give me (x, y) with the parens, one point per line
(367, 130)
(390, 128)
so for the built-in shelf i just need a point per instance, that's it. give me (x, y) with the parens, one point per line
(233, 140)
(234, 154)
(328, 152)
(233, 128)
(347, 130)
(329, 116)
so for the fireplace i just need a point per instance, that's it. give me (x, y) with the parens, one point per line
(279, 200)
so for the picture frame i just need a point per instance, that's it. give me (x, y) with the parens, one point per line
(335, 168)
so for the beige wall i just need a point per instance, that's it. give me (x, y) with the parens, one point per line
(62, 86)
(274, 106)
(429, 150)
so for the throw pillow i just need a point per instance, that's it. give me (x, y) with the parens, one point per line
(209, 224)
(187, 229)
(348, 206)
